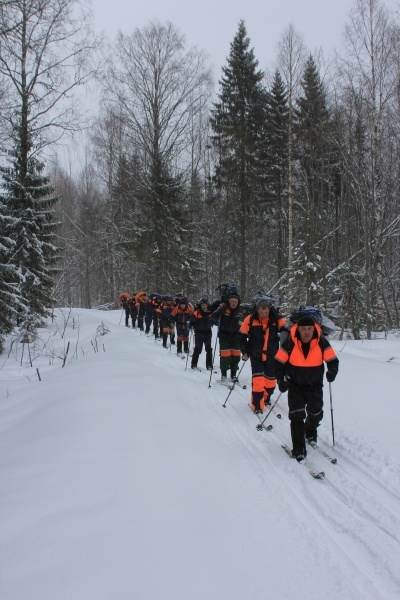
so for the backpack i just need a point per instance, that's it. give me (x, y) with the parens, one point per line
(181, 299)
(306, 311)
(226, 289)
(261, 295)
(327, 326)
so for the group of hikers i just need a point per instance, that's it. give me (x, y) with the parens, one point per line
(288, 354)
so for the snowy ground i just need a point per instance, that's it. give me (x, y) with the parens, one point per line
(122, 477)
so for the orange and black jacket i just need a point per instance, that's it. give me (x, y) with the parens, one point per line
(140, 298)
(165, 311)
(303, 364)
(124, 299)
(133, 308)
(181, 317)
(228, 321)
(201, 321)
(260, 338)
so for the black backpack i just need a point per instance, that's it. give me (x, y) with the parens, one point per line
(225, 289)
(327, 326)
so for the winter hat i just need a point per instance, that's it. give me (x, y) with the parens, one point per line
(203, 301)
(263, 302)
(233, 295)
(306, 321)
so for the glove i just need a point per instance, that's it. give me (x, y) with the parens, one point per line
(330, 376)
(283, 385)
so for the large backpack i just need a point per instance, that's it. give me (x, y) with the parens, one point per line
(261, 295)
(327, 326)
(225, 289)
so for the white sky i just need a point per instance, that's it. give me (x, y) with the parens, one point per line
(212, 24)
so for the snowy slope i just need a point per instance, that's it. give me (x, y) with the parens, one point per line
(123, 477)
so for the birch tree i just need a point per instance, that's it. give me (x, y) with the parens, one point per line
(369, 69)
(291, 58)
(160, 87)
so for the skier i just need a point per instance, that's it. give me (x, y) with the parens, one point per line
(259, 341)
(124, 301)
(181, 316)
(202, 326)
(166, 321)
(228, 318)
(140, 299)
(152, 315)
(133, 310)
(299, 368)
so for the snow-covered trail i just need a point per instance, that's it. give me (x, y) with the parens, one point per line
(124, 477)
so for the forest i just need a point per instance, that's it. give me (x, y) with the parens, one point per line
(284, 180)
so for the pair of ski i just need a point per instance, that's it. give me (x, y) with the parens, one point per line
(200, 370)
(314, 445)
(232, 384)
(312, 469)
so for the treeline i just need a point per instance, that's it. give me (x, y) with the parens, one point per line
(286, 181)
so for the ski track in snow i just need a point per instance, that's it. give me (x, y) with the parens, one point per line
(347, 488)
(358, 514)
(327, 505)
(376, 524)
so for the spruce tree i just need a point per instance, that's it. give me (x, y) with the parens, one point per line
(276, 160)
(314, 185)
(28, 199)
(9, 277)
(236, 120)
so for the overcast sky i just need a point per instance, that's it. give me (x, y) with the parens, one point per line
(212, 24)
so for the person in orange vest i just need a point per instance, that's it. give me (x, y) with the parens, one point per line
(133, 310)
(181, 316)
(228, 319)
(259, 341)
(166, 321)
(124, 299)
(152, 313)
(140, 299)
(202, 327)
(299, 368)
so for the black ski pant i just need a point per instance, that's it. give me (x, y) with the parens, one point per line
(141, 315)
(201, 338)
(148, 319)
(263, 381)
(305, 413)
(168, 329)
(182, 336)
(156, 326)
(134, 314)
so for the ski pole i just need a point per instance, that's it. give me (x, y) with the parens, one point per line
(234, 383)
(333, 428)
(120, 319)
(189, 345)
(270, 411)
(215, 348)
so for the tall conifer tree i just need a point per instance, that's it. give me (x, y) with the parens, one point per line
(30, 226)
(276, 160)
(235, 121)
(314, 153)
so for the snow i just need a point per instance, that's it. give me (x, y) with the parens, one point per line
(123, 477)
